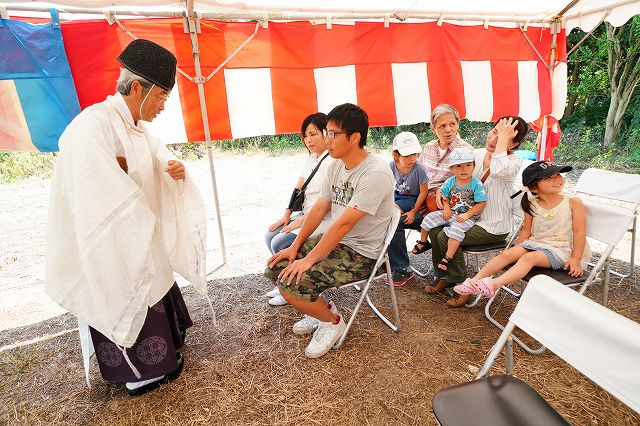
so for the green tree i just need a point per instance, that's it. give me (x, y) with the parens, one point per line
(587, 71)
(623, 48)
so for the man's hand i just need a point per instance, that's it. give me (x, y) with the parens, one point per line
(287, 254)
(175, 169)
(410, 216)
(462, 217)
(447, 213)
(574, 267)
(295, 270)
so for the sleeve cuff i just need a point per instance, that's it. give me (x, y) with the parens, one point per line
(499, 155)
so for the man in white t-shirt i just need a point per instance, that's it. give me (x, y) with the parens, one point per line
(358, 193)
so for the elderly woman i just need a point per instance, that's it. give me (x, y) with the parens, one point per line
(497, 167)
(445, 122)
(281, 233)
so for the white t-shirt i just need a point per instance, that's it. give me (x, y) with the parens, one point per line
(368, 187)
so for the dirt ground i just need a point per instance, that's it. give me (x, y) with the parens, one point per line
(251, 368)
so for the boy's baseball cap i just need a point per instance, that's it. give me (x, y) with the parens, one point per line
(406, 143)
(461, 156)
(540, 170)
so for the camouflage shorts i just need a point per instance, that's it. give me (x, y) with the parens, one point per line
(341, 266)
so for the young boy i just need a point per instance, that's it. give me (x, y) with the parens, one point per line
(358, 192)
(464, 200)
(412, 183)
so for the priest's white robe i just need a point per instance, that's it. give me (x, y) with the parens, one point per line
(114, 239)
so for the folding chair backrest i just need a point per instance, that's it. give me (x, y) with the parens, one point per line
(516, 208)
(601, 344)
(605, 222)
(393, 224)
(603, 183)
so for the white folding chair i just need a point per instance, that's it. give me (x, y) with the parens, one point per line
(605, 223)
(623, 188)
(382, 258)
(601, 344)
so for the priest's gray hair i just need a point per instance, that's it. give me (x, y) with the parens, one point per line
(127, 78)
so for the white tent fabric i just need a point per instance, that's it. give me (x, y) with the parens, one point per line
(585, 14)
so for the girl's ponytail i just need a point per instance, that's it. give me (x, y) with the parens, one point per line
(525, 203)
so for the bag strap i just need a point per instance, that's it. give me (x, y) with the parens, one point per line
(306, 182)
(486, 175)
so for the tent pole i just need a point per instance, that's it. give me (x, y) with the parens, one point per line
(191, 25)
(556, 26)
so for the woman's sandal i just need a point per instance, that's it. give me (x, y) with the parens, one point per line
(437, 286)
(421, 247)
(444, 262)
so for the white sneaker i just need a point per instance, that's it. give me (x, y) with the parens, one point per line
(325, 336)
(278, 301)
(273, 293)
(308, 323)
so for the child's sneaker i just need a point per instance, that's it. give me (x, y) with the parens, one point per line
(325, 336)
(400, 277)
(308, 324)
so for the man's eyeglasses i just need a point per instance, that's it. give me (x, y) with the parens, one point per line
(330, 134)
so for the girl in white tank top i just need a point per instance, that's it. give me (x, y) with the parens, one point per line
(553, 234)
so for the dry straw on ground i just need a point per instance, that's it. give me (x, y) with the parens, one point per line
(251, 369)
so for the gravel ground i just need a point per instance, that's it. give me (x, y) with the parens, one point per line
(251, 368)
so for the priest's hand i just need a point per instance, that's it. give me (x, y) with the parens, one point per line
(175, 169)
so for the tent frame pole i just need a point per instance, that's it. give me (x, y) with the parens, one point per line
(556, 27)
(192, 27)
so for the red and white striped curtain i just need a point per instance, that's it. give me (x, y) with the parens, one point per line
(396, 73)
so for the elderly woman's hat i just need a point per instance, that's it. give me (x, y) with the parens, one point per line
(150, 61)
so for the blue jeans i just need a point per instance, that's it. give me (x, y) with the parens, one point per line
(277, 241)
(405, 202)
(397, 250)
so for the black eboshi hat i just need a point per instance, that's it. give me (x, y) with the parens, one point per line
(150, 61)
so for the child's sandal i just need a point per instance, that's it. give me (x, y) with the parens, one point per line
(467, 288)
(421, 247)
(444, 262)
(485, 287)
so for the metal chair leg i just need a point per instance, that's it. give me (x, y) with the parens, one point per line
(632, 260)
(519, 342)
(365, 296)
(420, 273)
(474, 302)
(394, 302)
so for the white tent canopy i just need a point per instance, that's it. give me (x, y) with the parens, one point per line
(584, 14)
